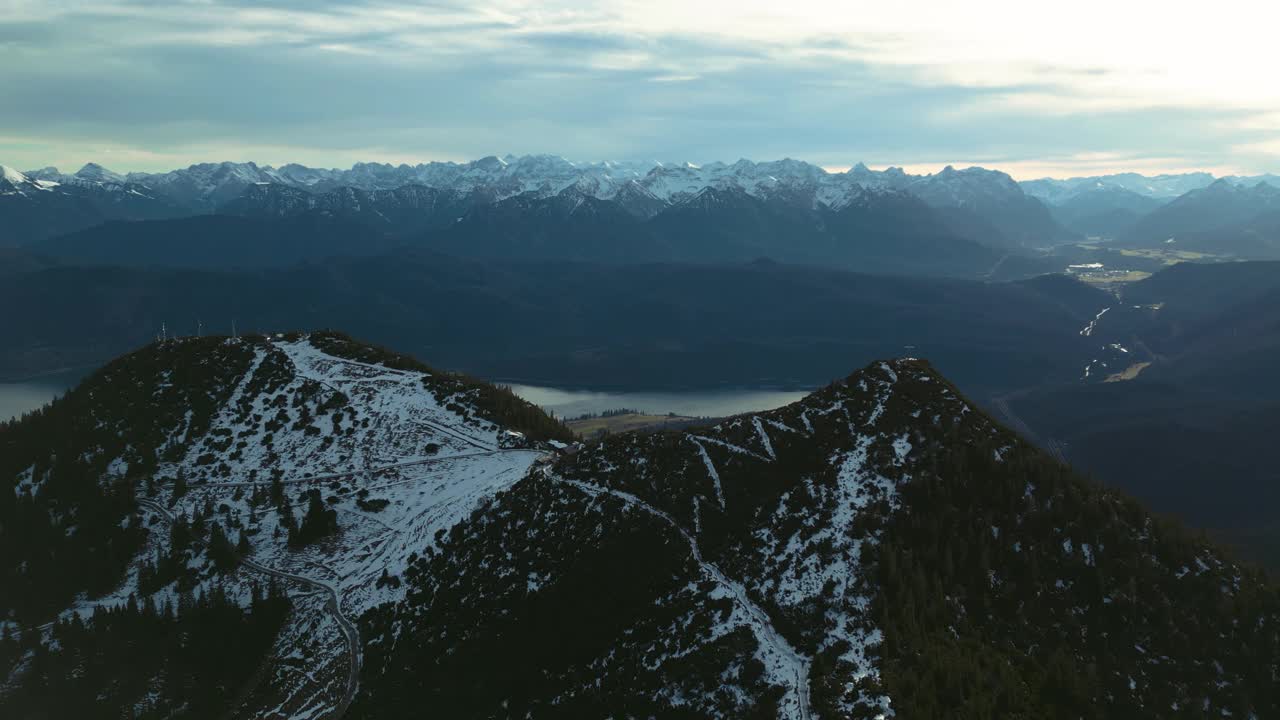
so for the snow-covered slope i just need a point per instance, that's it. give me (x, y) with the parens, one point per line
(766, 562)
(878, 549)
(13, 182)
(787, 564)
(400, 456)
(12, 176)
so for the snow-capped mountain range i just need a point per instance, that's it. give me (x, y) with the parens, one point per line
(985, 203)
(209, 185)
(213, 183)
(46, 203)
(983, 206)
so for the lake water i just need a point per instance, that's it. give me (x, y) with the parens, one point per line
(711, 403)
(18, 398)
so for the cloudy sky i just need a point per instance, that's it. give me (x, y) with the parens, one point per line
(1034, 88)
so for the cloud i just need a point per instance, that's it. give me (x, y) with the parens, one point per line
(1012, 84)
(1270, 148)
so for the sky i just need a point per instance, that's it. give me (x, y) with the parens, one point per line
(1033, 88)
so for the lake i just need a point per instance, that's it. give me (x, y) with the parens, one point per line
(17, 398)
(707, 403)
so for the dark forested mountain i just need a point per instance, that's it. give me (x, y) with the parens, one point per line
(1078, 298)
(1107, 212)
(1205, 293)
(302, 525)
(407, 210)
(1205, 220)
(216, 242)
(15, 261)
(1256, 238)
(1218, 328)
(654, 326)
(872, 231)
(727, 221)
(1190, 429)
(570, 225)
(988, 207)
(875, 231)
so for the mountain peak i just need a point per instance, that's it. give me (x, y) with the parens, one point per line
(48, 172)
(12, 176)
(491, 162)
(94, 172)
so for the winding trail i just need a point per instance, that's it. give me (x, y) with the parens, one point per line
(351, 636)
(349, 632)
(763, 626)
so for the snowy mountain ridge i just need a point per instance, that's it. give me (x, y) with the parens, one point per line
(399, 456)
(759, 559)
(208, 185)
(858, 553)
